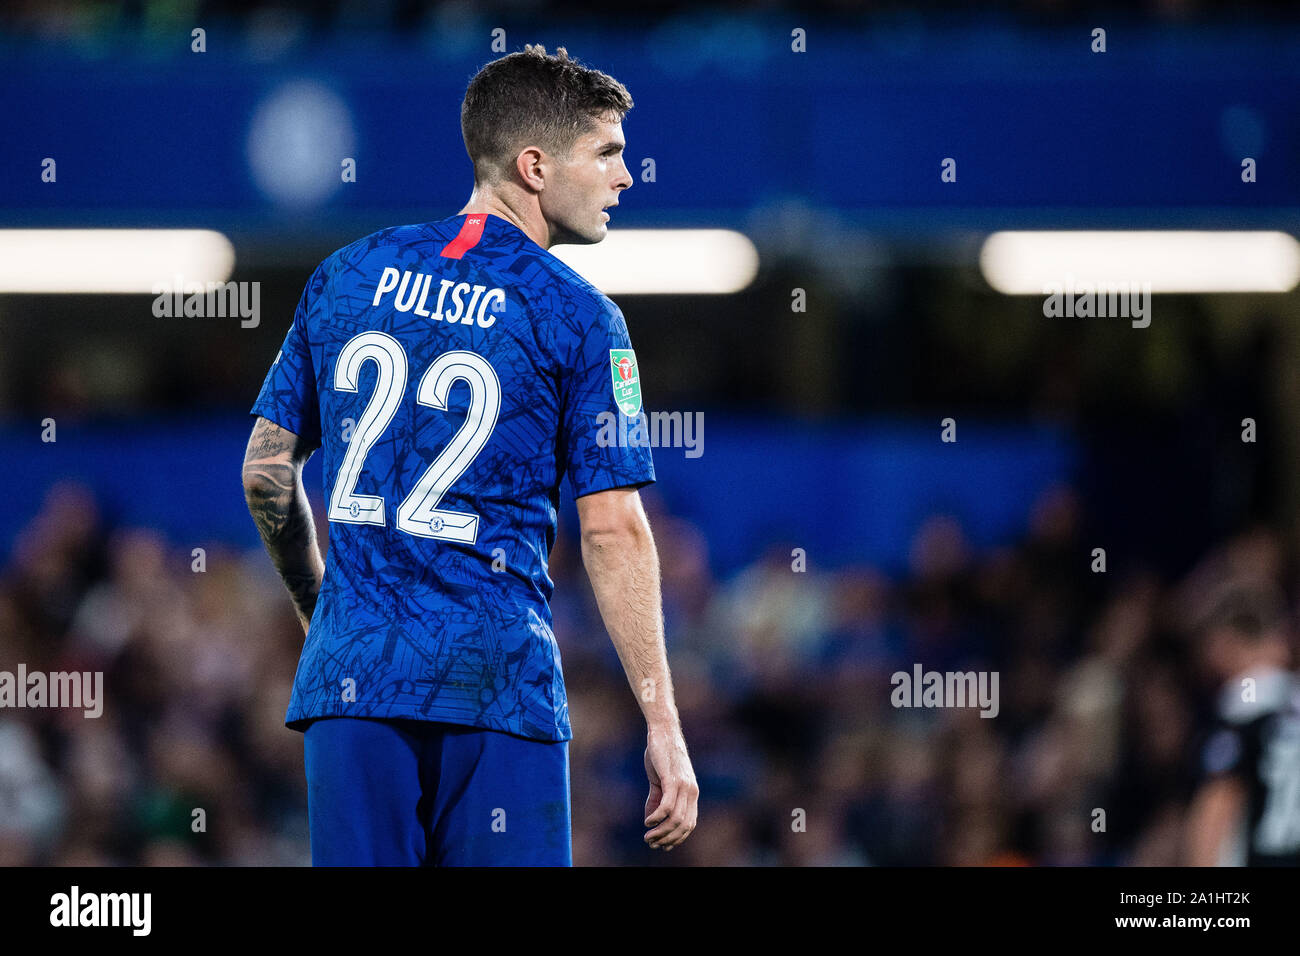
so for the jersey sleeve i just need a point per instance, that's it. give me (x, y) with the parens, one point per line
(288, 396)
(604, 438)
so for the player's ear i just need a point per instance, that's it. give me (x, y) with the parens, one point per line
(531, 165)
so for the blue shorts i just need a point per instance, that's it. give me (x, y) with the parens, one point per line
(420, 793)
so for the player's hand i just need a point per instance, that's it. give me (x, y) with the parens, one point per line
(671, 808)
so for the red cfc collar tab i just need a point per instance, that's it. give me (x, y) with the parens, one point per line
(469, 235)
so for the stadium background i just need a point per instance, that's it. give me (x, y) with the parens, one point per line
(821, 427)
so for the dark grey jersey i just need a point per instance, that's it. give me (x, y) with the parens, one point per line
(1257, 740)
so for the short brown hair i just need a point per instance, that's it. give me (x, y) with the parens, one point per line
(534, 98)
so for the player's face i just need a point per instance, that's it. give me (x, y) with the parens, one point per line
(591, 179)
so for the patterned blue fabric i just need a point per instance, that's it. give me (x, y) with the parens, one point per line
(435, 599)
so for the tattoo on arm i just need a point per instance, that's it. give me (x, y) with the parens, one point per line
(278, 503)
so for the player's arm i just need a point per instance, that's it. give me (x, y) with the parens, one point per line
(1216, 811)
(278, 503)
(619, 553)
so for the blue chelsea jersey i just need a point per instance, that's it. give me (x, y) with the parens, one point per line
(452, 373)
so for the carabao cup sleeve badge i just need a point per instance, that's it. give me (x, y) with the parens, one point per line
(627, 381)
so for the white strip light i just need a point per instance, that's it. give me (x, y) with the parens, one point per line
(652, 261)
(111, 260)
(1028, 263)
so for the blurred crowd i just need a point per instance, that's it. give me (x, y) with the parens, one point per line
(782, 679)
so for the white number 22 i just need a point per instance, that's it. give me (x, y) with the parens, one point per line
(418, 513)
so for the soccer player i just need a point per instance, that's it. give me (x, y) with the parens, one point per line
(1247, 810)
(453, 373)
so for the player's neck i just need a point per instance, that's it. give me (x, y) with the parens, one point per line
(528, 219)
